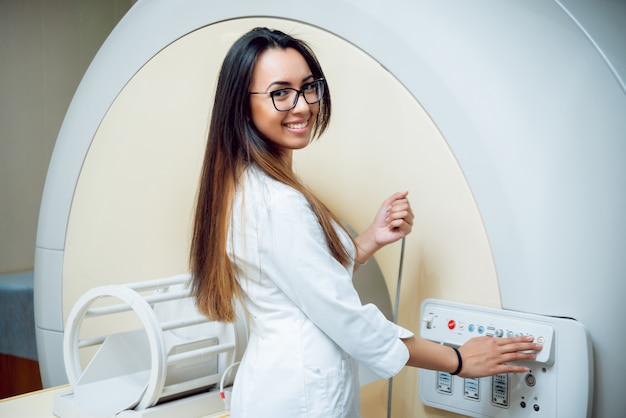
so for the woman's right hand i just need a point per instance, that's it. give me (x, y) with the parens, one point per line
(487, 356)
(481, 356)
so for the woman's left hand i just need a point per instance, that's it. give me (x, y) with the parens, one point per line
(393, 221)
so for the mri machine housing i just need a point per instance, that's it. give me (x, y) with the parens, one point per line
(528, 96)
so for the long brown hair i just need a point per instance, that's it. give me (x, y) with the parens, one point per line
(233, 144)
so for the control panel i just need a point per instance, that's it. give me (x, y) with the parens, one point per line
(531, 394)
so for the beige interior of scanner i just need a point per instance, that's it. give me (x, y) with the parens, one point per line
(131, 214)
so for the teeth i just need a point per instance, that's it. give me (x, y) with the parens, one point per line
(297, 125)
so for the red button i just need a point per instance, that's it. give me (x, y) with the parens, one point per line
(451, 324)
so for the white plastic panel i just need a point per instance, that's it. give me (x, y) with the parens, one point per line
(566, 357)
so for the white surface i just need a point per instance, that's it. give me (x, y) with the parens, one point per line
(116, 378)
(205, 405)
(40, 405)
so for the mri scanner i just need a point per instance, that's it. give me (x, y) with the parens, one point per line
(506, 121)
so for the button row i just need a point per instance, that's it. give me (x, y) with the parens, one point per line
(490, 331)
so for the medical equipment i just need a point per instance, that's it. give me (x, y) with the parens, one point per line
(566, 357)
(176, 360)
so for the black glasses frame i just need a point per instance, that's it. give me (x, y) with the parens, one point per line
(298, 93)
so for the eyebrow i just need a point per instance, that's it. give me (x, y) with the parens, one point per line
(286, 83)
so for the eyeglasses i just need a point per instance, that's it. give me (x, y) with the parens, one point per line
(287, 98)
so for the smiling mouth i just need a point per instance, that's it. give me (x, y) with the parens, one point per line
(300, 125)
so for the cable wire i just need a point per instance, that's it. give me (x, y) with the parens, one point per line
(395, 320)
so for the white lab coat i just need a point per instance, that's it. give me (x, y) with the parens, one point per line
(308, 327)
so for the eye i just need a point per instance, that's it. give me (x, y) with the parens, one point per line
(281, 94)
(311, 87)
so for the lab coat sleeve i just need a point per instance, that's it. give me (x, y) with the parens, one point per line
(301, 265)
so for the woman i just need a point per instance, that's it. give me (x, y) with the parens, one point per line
(263, 239)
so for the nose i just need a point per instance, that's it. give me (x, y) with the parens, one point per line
(301, 104)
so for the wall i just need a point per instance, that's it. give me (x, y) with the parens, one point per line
(46, 46)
